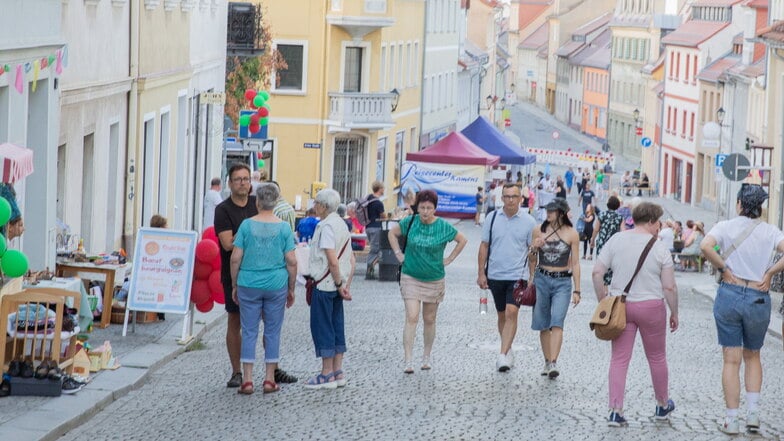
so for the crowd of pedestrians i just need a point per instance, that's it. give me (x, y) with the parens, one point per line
(259, 271)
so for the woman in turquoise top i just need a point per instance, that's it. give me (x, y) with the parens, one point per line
(422, 273)
(263, 274)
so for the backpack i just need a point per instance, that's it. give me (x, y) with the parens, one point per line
(362, 210)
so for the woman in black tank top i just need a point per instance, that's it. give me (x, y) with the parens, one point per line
(556, 254)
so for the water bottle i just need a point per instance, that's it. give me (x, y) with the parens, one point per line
(483, 303)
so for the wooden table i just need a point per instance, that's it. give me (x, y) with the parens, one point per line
(107, 271)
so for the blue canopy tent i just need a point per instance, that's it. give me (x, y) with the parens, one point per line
(482, 133)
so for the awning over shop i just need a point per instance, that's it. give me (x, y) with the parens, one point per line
(15, 163)
(491, 140)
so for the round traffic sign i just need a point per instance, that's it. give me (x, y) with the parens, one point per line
(731, 164)
(646, 142)
(556, 135)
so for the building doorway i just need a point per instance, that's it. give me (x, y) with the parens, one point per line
(347, 167)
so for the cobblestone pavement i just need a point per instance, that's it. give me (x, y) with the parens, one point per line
(463, 397)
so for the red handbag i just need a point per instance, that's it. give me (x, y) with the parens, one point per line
(524, 293)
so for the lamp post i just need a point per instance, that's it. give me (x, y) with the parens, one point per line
(395, 98)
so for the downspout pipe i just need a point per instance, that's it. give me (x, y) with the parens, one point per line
(129, 216)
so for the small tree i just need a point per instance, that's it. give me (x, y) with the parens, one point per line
(255, 72)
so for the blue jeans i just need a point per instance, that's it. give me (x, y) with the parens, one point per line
(327, 325)
(552, 301)
(742, 316)
(253, 303)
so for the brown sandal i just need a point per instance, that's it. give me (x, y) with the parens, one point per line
(246, 388)
(270, 387)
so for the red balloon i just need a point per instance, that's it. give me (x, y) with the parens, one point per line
(206, 250)
(215, 282)
(219, 297)
(206, 306)
(209, 234)
(216, 263)
(200, 291)
(263, 112)
(259, 155)
(250, 94)
(254, 119)
(202, 271)
(254, 128)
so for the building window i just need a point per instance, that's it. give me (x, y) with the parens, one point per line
(352, 70)
(410, 62)
(391, 66)
(294, 77)
(381, 158)
(383, 68)
(416, 63)
(400, 138)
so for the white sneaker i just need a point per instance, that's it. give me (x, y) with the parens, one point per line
(730, 426)
(752, 421)
(546, 369)
(501, 363)
(554, 372)
(510, 358)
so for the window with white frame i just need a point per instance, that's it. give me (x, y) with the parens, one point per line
(382, 80)
(416, 63)
(376, 6)
(391, 66)
(410, 65)
(294, 77)
(400, 66)
(381, 158)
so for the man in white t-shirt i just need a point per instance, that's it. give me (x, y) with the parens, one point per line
(742, 306)
(667, 235)
(544, 195)
(211, 200)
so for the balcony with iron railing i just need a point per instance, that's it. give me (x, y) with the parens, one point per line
(371, 111)
(244, 30)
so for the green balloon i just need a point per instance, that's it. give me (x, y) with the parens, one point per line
(265, 94)
(3, 245)
(259, 101)
(14, 263)
(244, 120)
(260, 163)
(264, 121)
(5, 211)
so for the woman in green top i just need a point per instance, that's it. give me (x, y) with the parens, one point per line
(600, 184)
(422, 273)
(263, 272)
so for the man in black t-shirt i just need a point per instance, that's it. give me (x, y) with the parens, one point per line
(229, 214)
(375, 211)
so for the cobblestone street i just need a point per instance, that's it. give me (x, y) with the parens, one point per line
(463, 397)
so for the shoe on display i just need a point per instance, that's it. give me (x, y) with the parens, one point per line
(501, 363)
(752, 421)
(70, 386)
(730, 426)
(663, 413)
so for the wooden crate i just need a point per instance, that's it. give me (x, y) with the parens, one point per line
(118, 316)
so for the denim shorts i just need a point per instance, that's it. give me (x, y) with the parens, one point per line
(553, 295)
(742, 316)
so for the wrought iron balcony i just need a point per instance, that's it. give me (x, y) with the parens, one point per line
(371, 111)
(245, 33)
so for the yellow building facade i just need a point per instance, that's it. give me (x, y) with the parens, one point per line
(346, 109)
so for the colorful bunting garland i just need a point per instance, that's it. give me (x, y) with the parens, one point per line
(58, 60)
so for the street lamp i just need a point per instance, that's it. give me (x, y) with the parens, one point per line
(489, 100)
(512, 87)
(720, 116)
(636, 115)
(503, 103)
(395, 98)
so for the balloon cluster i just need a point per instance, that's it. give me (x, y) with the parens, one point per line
(257, 101)
(207, 288)
(12, 262)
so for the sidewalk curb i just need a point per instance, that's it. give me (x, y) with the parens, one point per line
(211, 321)
(709, 291)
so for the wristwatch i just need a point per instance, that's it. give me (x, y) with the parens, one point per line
(721, 270)
(339, 285)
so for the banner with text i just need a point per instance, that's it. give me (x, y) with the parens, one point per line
(455, 184)
(162, 270)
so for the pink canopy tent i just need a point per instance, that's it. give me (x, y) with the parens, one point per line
(15, 163)
(455, 148)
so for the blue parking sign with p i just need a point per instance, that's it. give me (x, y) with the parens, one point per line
(720, 159)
